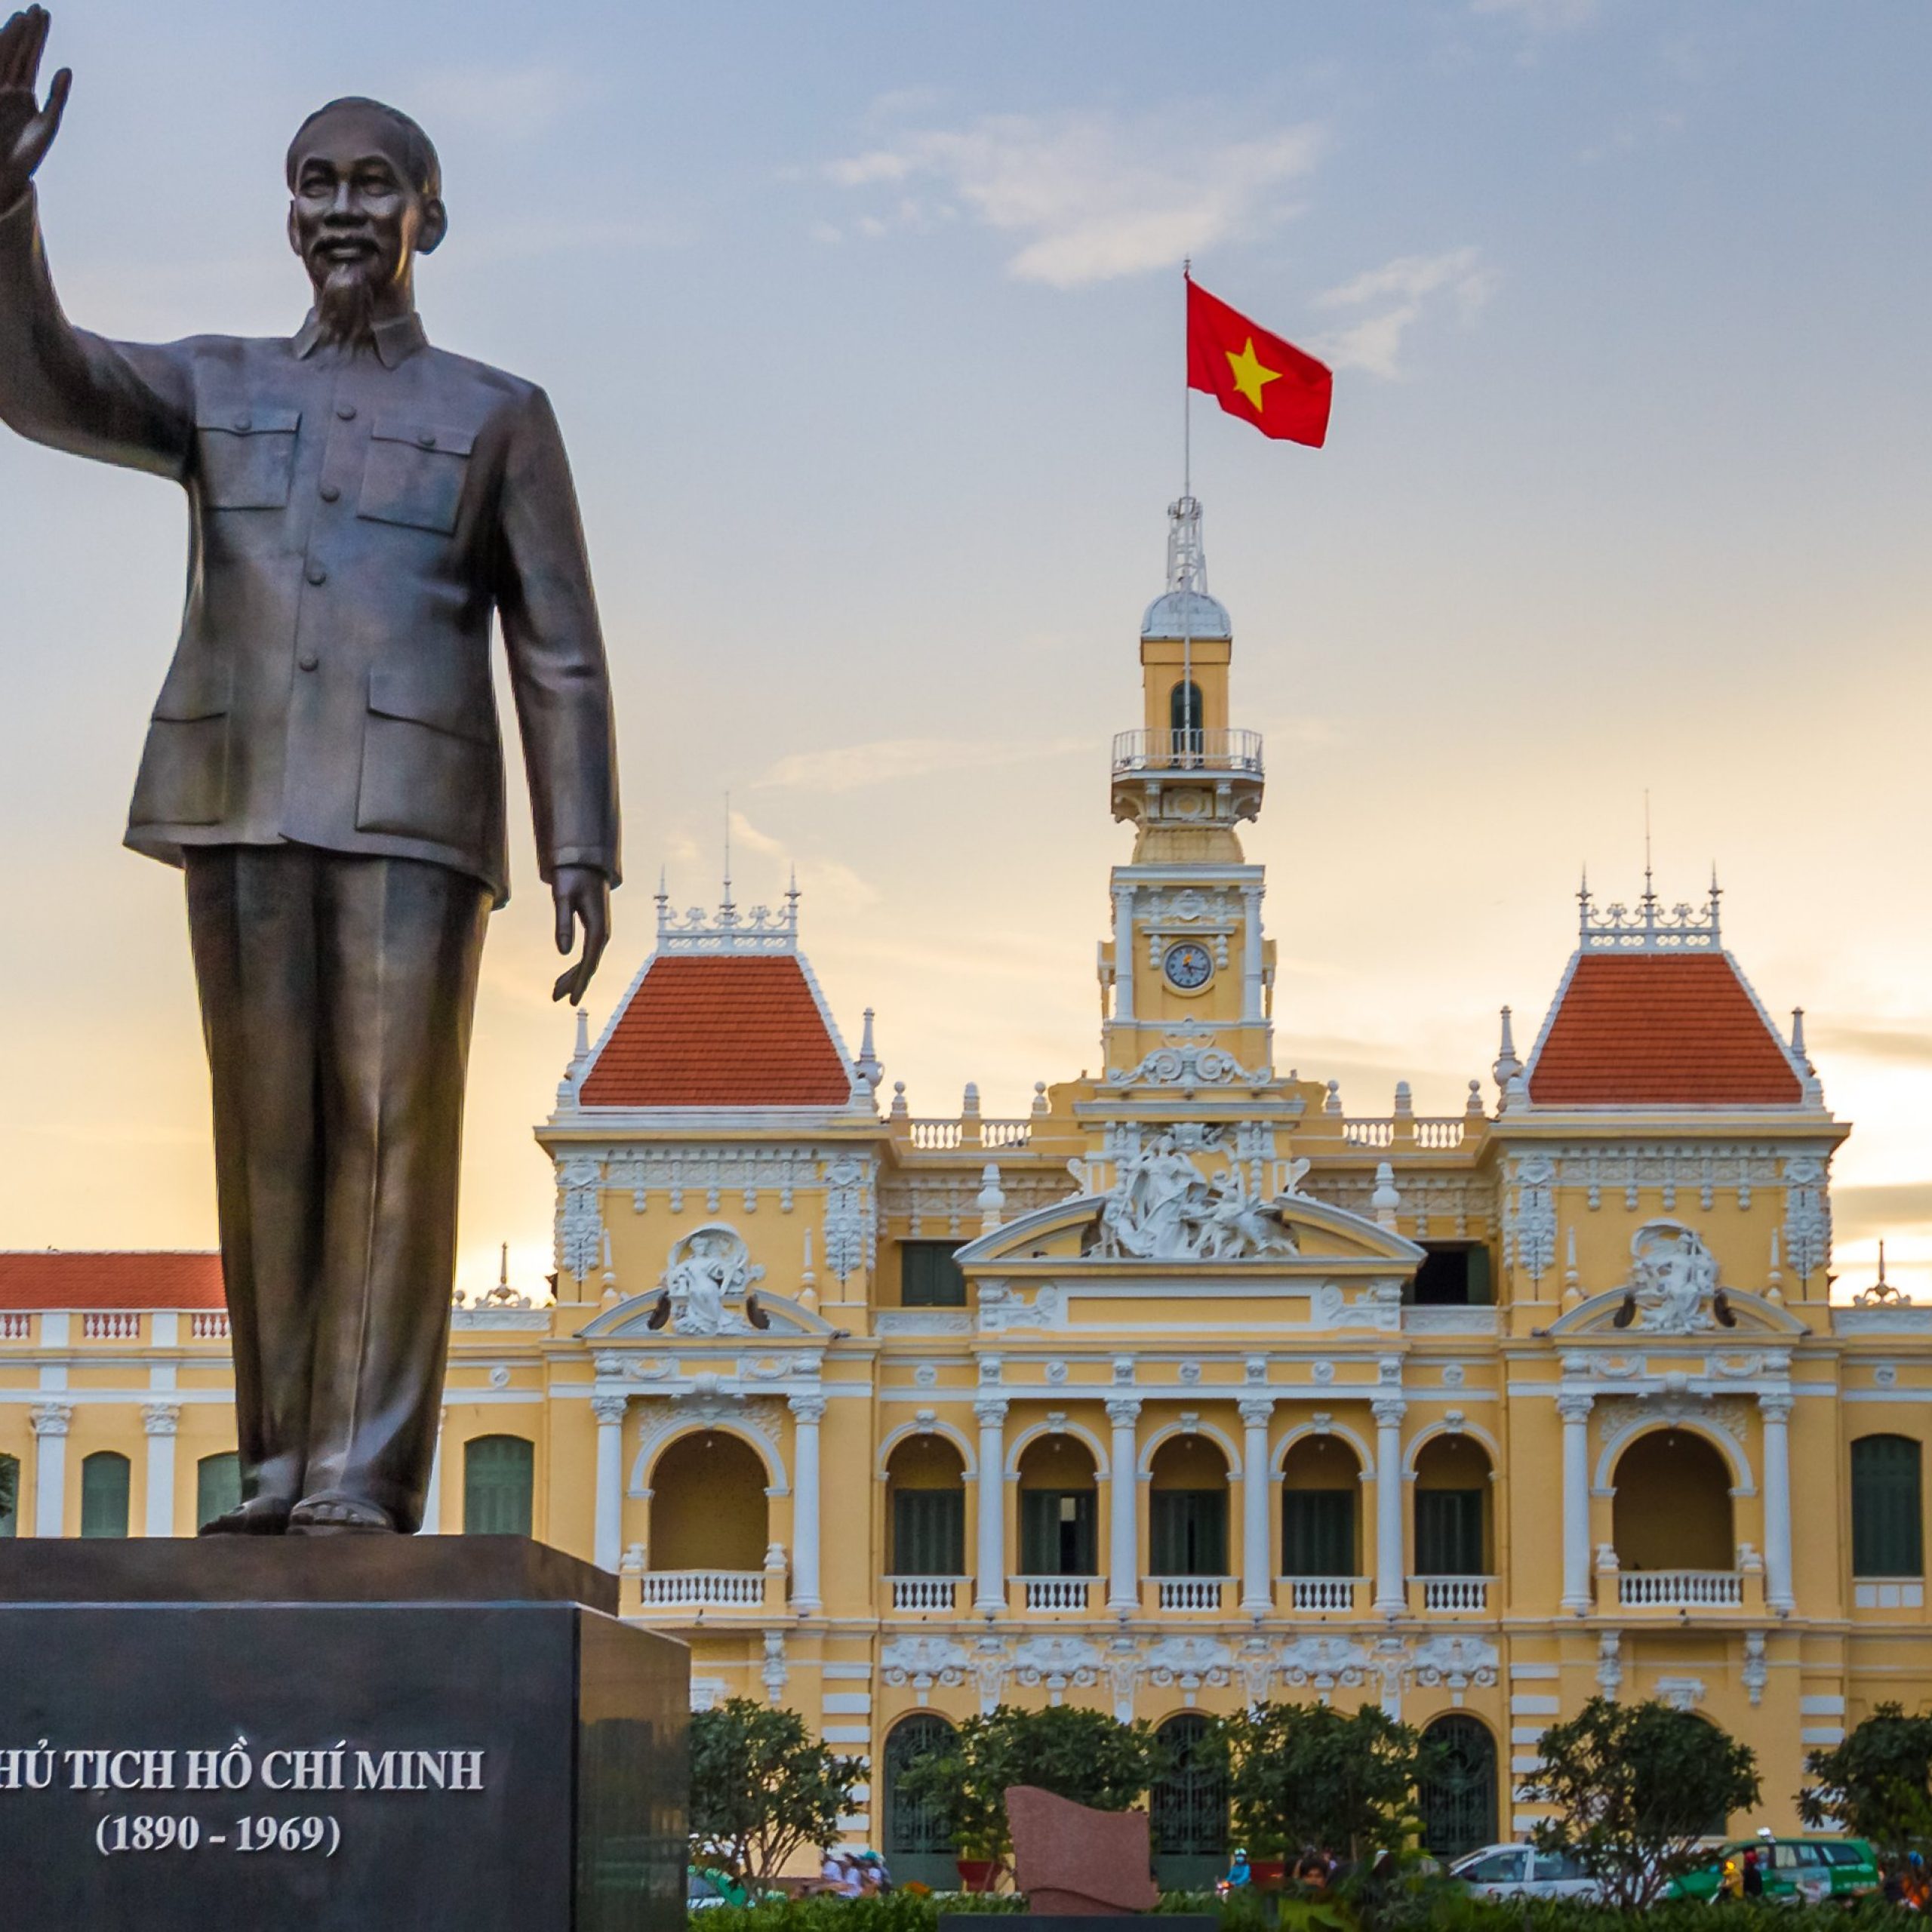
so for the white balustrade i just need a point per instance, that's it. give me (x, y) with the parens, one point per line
(1680, 1589)
(943, 1136)
(1435, 1132)
(1187, 751)
(211, 1326)
(1444, 1131)
(1359, 1133)
(1190, 1592)
(702, 1589)
(1462, 1593)
(924, 1593)
(103, 1327)
(1006, 1133)
(1323, 1594)
(936, 1137)
(16, 1328)
(1055, 1592)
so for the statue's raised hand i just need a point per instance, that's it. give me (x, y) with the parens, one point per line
(26, 128)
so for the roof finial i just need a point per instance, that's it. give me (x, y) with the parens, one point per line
(503, 1271)
(1650, 897)
(728, 908)
(867, 1067)
(1507, 1065)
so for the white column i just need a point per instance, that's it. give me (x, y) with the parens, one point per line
(1256, 1578)
(1251, 959)
(160, 1420)
(1392, 1595)
(1123, 1507)
(1123, 953)
(1575, 1410)
(990, 1593)
(50, 1421)
(433, 1497)
(1774, 1410)
(807, 1412)
(606, 1541)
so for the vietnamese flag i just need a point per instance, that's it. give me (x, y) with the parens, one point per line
(1282, 391)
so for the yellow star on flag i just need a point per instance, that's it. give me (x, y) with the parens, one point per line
(1251, 375)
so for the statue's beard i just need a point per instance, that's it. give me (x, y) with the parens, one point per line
(346, 306)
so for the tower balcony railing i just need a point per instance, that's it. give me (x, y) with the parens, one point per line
(1187, 751)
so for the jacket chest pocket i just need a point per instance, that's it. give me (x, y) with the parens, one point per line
(414, 474)
(247, 456)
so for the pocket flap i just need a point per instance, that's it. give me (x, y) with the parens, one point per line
(194, 691)
(247, 419)
(423, 436)
(421, 700)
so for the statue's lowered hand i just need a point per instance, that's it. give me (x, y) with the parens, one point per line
(26, 128)
(582, 896)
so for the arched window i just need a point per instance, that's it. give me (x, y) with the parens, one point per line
(926, 1482)
(217, 1486)
(708, 1506)
(1887, 1508)
(1190, 1807)
(1184, 718)
(10, 1496)
(1457, 1798)
(1452, 1508)
(104, 1494)
(1672, 1507)
(1320, 1507)
(1057, 1508)
(1187, 1509)
(498, 1483)
(918, 1846)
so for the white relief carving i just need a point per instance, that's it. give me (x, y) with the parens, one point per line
(1056, 1662)
(1609, 1663)
(1326, 1663)
(774, 1673)
(1160, 1209)
(1188, 1661)
(1003, 1309)
(1377, 1306)
(989, 1666)
(1673, 1278)
(1681, 1694)
(924, 1662)
(706, 1271)
(1756, 1672)
(926, 1376)
(1529, 1230)
(1455, 1660)
(1807, 1216)
(581, 1237)
(1189, 1058)
(851, 1227)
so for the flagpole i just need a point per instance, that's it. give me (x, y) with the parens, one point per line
(1189, 722)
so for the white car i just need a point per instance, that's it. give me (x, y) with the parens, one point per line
(1519, 1870)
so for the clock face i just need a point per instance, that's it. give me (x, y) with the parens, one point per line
(1189, 966)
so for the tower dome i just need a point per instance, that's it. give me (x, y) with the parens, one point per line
(1185, 609)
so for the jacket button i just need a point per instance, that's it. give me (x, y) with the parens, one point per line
(330, 493)
(308, 660)
(243, 424)
(346, 411)
(426, 441)
(317, 574)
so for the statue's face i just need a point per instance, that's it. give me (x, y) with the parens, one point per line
(355, 214)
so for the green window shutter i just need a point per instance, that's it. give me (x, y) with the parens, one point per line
(499, 1481)
(217, 1486)
(1056, 1532)
(1318, 1532)
(1449, 1532)
(928, 1533)
(1887, 1513)
(929, 1277)
(10, 1497)
(1188, 1532)
(104, 1495)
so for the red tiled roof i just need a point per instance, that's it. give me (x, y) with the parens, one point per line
(720, 1032)
(1660, 1029)
(51, 1279)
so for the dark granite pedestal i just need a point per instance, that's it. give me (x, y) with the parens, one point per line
(347, 1733)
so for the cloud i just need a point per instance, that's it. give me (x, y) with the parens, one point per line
(518, 101)
(887, 760)
(1401, 291)
(1087, 197)
(1863, 1039)
(1541, 16)
(1862, 1212)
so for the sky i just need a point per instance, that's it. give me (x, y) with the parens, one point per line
(863, 324)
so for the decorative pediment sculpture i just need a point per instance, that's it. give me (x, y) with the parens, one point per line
(1673, 1288)
(1160, 1209)
(707, 1277)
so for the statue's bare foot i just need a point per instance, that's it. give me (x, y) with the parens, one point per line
(260, 1516)
(337, 1516)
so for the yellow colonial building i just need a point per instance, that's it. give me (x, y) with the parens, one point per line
(1185, 1388)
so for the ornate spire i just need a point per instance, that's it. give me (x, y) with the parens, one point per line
(1507, 1065)
(759, 931)
(1185, 609)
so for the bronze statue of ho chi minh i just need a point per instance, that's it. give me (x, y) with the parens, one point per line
(324, 761)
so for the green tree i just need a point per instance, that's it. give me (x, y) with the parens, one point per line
(762, 1787)
(1309, 1774)
(1085, 1755)
(1877, 1783)
(8, 1496)
(1635, 1787)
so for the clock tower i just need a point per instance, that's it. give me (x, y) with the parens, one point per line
(1187, 971)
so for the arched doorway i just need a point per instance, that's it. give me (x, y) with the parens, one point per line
(708, 1509)
(925, 1488)
(1456, 1798)
(918, 1846)
(1058, 1512)
(1452, 1508)
(1190, 1807)
(1320, 1522)
(1187, 1509)
(1672, 1507)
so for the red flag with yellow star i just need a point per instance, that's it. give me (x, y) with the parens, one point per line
(1278, 388)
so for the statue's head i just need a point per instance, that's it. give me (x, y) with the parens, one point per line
(366, 199)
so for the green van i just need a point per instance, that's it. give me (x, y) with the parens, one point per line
(1810, 1871)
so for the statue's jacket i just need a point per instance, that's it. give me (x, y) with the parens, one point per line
(355, 518)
